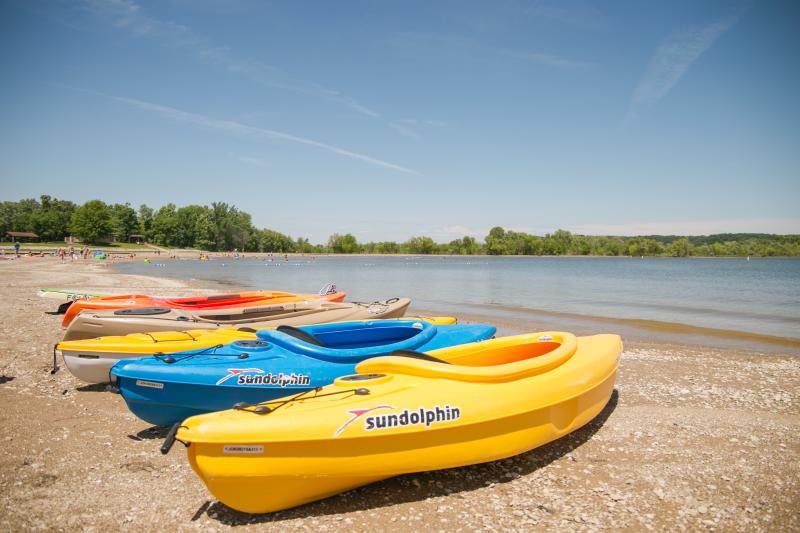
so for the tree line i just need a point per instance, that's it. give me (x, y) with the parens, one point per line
(222, 227)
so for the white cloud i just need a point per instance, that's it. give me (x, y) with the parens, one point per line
(672, 59)
(128, 15)
(270, 76)
(400, 128)
(550, 60)
(238, 128)
(472, 48)
(406, 126)
(456, 231)
(248, 159)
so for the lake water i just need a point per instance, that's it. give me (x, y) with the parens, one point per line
(759, 296)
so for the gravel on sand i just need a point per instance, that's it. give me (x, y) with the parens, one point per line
(693, 438)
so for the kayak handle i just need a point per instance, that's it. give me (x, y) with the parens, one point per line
(170, 439)
(55, 360)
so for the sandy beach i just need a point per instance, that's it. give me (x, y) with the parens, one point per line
(694, 438)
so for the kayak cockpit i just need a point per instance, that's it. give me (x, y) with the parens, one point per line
(506, 359)
(354, 340)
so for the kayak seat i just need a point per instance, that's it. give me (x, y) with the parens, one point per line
(142, 311)
(418, 355)
(299, 334)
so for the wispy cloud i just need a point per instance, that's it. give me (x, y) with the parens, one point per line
(550, 60)
(579, 15)
(129, 16)
(453, 42)
(672, 59)
(269, 76)
(237, 128)
(404, 130)
(407, 126)
(256, 161)
(457, 231)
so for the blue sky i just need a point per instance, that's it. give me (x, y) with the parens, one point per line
(393, 119)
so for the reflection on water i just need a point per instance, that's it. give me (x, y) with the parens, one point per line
(759, 296)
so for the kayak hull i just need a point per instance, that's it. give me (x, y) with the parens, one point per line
(416, 416)
(67, 295)
(191, 303)
(91, 368)
(164, 403)
(502, 439)
(92, 324)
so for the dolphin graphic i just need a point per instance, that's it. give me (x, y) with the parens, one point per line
(237, 371)
(358, 413)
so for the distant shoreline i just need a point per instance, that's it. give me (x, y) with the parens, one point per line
(192, 254)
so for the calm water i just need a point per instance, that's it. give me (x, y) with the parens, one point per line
(758, 296)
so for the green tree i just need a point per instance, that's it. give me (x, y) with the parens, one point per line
(164, 226)
(580, 245)
(91, 222)
(562, 240)
(52, 218)
(232, 228)
(124, 221)
(420, 245)
(8, 212)
(24, 214)
(145, 218)
(275, 242)
(680, 248)
(194, 228)
(302, 245)
(385, 247)
(464, 246)
(495, 241)
(343, 244)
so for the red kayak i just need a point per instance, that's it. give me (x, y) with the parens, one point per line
(210, 301)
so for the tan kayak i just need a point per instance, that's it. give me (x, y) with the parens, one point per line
(91, 324)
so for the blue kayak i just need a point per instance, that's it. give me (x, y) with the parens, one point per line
(164, 389)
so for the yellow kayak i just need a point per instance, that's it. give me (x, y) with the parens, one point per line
(90, 359)
(474, 403)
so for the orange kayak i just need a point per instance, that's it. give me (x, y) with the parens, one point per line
(209, 301)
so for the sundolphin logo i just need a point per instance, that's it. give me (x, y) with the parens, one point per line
(407, 417)
(236, 371)
(244, 377)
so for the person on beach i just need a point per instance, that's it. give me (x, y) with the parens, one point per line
(61, 254)
(16, 248)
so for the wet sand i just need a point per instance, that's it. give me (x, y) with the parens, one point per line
(694, 438)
